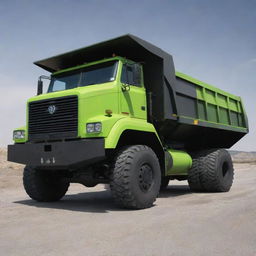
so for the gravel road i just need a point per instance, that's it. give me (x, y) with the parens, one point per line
(86, 222)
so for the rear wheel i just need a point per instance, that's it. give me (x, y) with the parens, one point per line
(212, 171)
(44, 185)
(136, 177)
(195, 172)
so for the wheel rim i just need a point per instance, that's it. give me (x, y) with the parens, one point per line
(145, 177)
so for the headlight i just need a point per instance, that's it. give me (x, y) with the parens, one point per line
(97, 127)
(93, 127)
(18, 135)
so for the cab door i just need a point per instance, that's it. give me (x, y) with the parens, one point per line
(133, 93)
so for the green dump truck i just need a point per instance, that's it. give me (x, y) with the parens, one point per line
(117, 113)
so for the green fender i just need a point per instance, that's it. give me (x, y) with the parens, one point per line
(127, 124)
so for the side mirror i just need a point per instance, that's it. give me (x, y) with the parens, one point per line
(39, 87)
(40, 84)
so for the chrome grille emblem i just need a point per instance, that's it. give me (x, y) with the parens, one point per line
(52, 109)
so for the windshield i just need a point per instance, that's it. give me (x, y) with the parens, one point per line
(96, 74)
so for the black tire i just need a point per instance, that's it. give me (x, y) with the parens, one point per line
(136, 177)
(44, 185)
(212, 171)
(195, 172)
(164, 183)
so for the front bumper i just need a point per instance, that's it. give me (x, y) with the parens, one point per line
(66, 154)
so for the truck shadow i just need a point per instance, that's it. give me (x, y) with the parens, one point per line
(174, 191)
(96, 201)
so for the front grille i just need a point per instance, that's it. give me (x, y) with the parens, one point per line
(53, 118)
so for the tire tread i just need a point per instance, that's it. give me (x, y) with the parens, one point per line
(37, 190)
(121, 177)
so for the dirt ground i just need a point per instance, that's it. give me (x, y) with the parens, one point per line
(86, 222)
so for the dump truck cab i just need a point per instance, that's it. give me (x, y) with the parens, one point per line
(107, 90)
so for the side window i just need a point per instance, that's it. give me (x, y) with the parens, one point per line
(131, 74)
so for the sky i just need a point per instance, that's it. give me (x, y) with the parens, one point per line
(213, 41)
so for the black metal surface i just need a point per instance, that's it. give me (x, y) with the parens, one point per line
(63, 123)
(196, 137)
(58, 155)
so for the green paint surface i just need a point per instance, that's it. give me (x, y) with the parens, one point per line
(216, 107)
(182, 162)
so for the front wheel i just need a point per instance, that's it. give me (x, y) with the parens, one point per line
(136, 177)
(44, 185)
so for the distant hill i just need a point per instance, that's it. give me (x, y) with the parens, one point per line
(243, 157)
